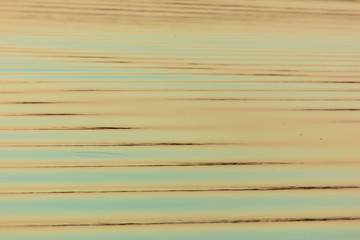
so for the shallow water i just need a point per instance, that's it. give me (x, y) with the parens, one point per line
(179, 119)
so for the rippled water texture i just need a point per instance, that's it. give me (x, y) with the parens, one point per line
(179, 119)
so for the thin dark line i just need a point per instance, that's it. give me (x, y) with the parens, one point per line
(46, 114)
(122, 144)
(195, 12)
(331, 109)
(89, 128)
(184, 222)
(33, 102)
(201, 164)
(72, 129)
(244, 189)
(193, 6)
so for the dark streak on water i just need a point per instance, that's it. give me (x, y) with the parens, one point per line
(124, 144)
(47, 114)
(72, 129)
(287, 188)
(202, 164)
(332, 109)
(33, 103)
(87, 128)
(220, 221)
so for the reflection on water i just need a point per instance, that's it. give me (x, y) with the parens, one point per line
(185, 117)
